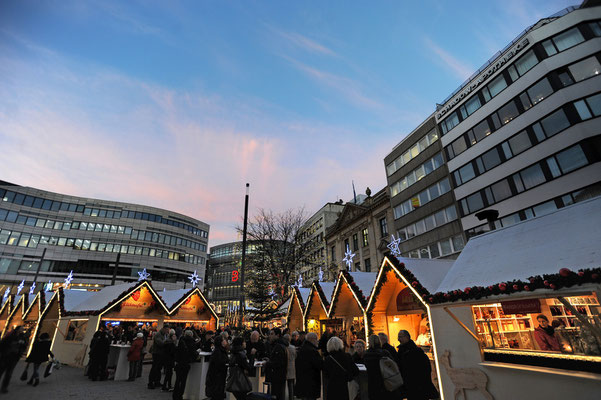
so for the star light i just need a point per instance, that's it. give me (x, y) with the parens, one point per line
(348, 258)
(299, 283)
(320, 274)
(32, 288)
(69, 279)
(271, 293)
(21, 286)
(143, 275)
(194, 278)
(49, 286)
(394, 246)
(6, 294)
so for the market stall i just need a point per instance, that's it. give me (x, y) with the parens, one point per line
(349, 300)
(15, 317)
(296, 309)
(518, 316)
(5, 312)
(189, 308)
(317, 307)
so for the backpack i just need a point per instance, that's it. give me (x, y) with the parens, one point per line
(390, 374)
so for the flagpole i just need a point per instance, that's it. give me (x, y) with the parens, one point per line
(242, 263)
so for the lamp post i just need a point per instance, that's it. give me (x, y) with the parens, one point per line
(243, 255)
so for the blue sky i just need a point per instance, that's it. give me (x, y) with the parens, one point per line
(178, 104)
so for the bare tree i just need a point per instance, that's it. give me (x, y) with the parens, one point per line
(275, 253)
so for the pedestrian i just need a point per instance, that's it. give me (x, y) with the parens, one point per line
(217, 373)
(323, 341)
(134, 354)
(276, 365)
(12, 347)
(185, 354)
(142, 352)
(238, 359)
(158, 355)
(359, 353)
(39, 354)
(308, 369)
(339, 369)
(386, 346)
(169, 359)
(416, 369)
(359, 358)
(375, 382)
(99, 351)
(295, 339)
(207, 342)
(291, 370)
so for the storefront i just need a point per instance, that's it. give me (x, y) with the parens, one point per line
(189, 308)
(349, 301)
(296, 309)
(316, 311)
(519, 310)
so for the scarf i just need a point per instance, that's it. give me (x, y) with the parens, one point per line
(549, 330)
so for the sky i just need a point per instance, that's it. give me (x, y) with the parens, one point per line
(177, 104)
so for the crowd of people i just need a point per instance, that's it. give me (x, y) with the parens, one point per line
(295, 364)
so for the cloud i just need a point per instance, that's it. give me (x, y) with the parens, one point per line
(304, 42)
(459, 68)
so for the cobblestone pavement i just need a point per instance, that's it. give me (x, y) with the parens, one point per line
(69, 383)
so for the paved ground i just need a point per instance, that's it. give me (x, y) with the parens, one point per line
(69, 383)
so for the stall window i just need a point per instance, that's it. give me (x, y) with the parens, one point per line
(76, 331)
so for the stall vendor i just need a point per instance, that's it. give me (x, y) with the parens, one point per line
(545, 334)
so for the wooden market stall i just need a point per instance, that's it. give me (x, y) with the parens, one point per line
(15, 317)
(318, 306)
(518, 315)
(189, 308)
(296, 309)
(37, 304)
(5, 312)
(349, 300)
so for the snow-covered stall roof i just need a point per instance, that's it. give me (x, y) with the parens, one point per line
(328, 289)
(73, 298)
(304, 293)
(170, 297)
(365, 281)
(283, 308)
(567, 238)
(102, 298)
(429, 273)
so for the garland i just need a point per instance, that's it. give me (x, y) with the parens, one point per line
(353, 286)
(322, 296)
(151, 308)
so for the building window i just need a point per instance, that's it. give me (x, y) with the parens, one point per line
(365, 237)
(346, 246)
(368, 265)
(358, 266)
(383, 227)
(355, 242)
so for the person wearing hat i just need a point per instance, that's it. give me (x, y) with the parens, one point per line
(134, 354)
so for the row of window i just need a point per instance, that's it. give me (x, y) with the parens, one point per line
(14, 238)
(425, 169)
(538, 210)
(410, 154)
(438, 249)
(424, 197)
(435, 220)
(526, 62)
(15, 217)
(521, 103)
(552, 167)
(232, 250)
(548, 126)
(49, 205)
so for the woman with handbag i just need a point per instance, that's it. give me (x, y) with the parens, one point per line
(39, 354)
(217, 372)
(340, 371)
(237, 379)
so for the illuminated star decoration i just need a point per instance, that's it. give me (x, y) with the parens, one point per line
(143, 275)
(69, 279)
(194, 278)
(49, 286)
(320, 274)
(348, 258)
(6, 294)
(21, 286)
(271, 293)
(32, 288)
(299, 283)
(394, 246)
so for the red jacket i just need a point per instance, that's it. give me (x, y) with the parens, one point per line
(546, 341)
(135, 351)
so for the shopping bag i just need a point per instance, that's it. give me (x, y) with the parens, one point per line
(49, 368)
(237, 381)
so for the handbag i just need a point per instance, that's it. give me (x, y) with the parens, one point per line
(237, 381)
(49, 368)
(353, 385)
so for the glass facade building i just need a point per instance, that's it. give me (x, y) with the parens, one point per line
(45, 235)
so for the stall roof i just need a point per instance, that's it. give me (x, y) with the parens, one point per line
(102, 298)
(430, 273)
(304, 293)
(283, 308)
(73, 298)
(328, 289)
(170, 297)
(365, 281)
(566, 238)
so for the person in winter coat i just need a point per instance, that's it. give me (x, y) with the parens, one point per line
(217, 373)
(169, 359)
(386, 346)
(415, 369)
(39, 354)
(134, 354)
(238, 358)
(338, 369)
(12, 347)
(375, 382)
(277, 363)
(158, 356)
(359, 353)
(185, 354)
(99, 352)
(308, 369)
(291, 370)
(255, 349)
(544, 334)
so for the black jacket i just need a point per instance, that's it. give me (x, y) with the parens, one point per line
(375, 382)
(339, 369)
(170, 351)
(238, 357)
(276, 367)
(416, 371)
(217, 374)
(100, 345)
(40, 351)
(392, 351)
(308, 371)
(186, 351)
